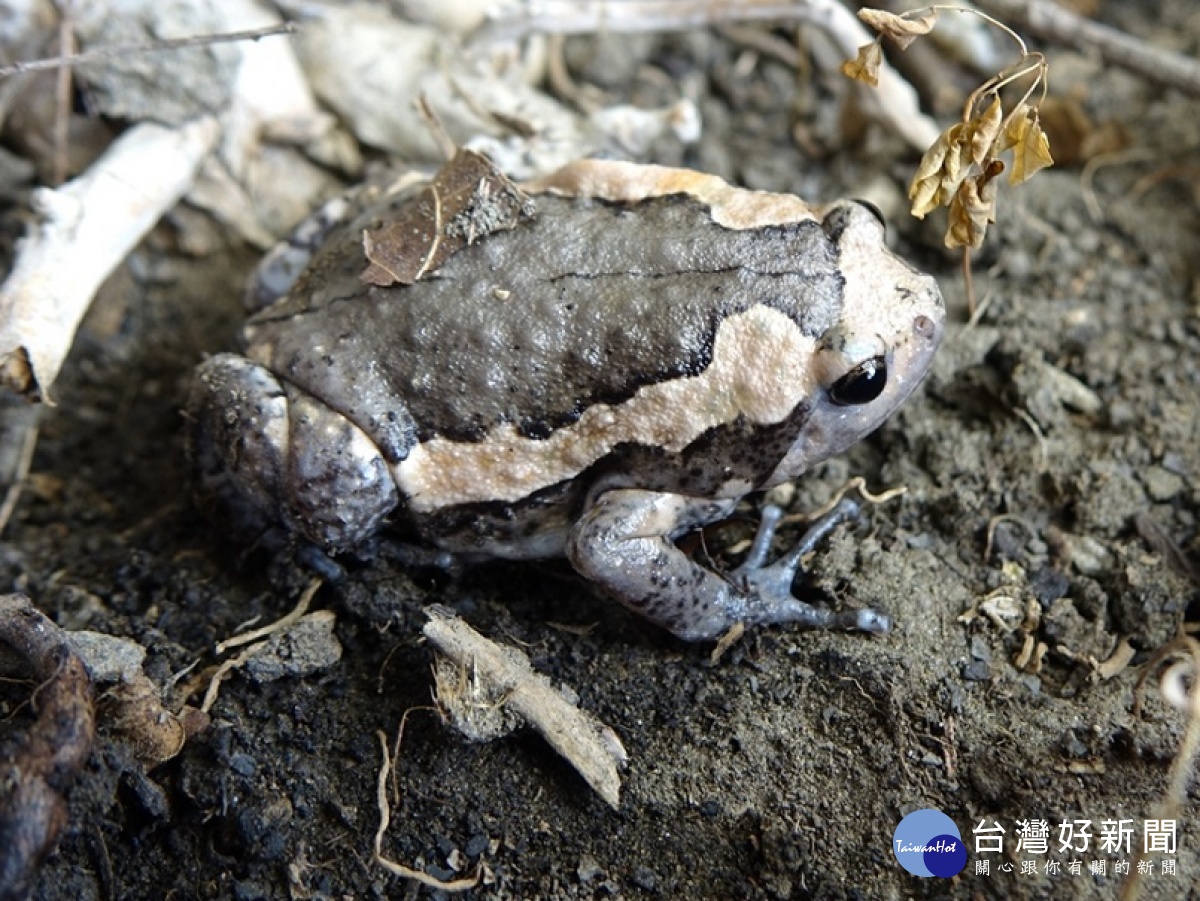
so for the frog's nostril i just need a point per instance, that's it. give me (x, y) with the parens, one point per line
(924, 327)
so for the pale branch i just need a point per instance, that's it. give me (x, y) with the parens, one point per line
(893, 103)
(589, 745)
(102, 54)
(1051, 22)
(84, 230)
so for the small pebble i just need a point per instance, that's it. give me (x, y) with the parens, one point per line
(976, 671)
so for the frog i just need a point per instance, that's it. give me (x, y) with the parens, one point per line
(641, 348)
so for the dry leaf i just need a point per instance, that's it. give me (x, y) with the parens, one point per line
(1030, 146)
(865, 66)
(939, 172)
(467, 199)
(922, 190)
(960, 170)
(973, 208)
(900, 28)
(984, 130)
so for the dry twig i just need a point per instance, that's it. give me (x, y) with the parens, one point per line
(18, 439)
(894, 103)
(279, 625)
(87, 228)
(257, 640)
(1052, 22)
(859, 484)
(590, 746)
(62, 91)
(69, 60)
(385, 820)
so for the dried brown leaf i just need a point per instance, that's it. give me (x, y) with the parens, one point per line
(1030, 146)
(940, 171)
(467, 199)
(1068, 127)
(922, 190)
(973, 208)
(903, 29)
(865, 66)
(1015, 128)
(984, 131)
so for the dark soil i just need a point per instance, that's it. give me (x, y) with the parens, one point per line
(781, 770)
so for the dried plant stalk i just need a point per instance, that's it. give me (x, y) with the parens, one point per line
(87, 228)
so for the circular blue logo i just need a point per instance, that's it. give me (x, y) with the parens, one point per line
(927, 843)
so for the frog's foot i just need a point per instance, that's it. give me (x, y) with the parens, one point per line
(768, 588)
(261, 442)
(624, 543)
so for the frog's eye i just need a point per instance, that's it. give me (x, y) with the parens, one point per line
(860, 385)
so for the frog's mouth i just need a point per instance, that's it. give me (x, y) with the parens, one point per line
(833, 425)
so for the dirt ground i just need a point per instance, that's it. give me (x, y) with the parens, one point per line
(781, 770)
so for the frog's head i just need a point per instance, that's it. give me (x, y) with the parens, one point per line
(879, 349)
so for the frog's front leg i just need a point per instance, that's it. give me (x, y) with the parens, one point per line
(255, 438)
(624, 543)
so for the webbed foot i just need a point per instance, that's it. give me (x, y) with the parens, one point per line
(768, 587)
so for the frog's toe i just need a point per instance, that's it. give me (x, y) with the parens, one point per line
(768, 588)
(767, 599)
(871, 620)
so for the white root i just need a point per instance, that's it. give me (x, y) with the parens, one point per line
(86, 228)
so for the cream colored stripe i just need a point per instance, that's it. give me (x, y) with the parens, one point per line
(732, 207)
(760, 369)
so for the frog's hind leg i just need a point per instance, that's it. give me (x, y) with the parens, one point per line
(624, 543)
(259, 441)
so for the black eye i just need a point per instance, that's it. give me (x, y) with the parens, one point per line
(860, 385)
(874, 211)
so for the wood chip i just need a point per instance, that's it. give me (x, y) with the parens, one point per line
(588, 745)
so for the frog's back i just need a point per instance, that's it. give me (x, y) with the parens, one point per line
(530, 328)
(653, 330)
